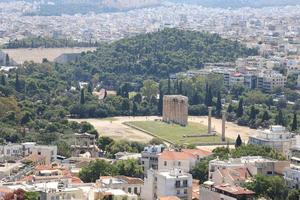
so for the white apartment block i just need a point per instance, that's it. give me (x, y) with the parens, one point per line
(185, 159)
(149, 157)
(18, 151)
(277, 137)
(173, 182)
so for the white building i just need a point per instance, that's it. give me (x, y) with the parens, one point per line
(173, 182)
(277, 137)
(49, 152)
(185, 159)
(149, 158)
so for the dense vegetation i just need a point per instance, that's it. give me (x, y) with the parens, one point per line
(36, 99)
(156, 55)
(46, 42)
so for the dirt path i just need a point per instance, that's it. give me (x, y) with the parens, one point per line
(114, 128)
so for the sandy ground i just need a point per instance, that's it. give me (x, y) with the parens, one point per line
(37, 54)
(114, 128)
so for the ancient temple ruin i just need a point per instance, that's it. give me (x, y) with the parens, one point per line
(175, 109)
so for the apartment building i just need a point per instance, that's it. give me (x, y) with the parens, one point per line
(292, 174)
(13, 151)
(184, 159)
(270, 80)
(174, 182)
(149, 158)
(209, 191)
(128, 184)
(236, 171)
(277, 137)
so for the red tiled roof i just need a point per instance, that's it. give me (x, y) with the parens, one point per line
(235, 190)
(236, 174)
(185, 154)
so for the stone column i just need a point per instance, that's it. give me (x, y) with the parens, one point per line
(209, 119)
(223, 125)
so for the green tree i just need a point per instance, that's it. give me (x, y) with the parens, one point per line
(265, 116)
(17, 83)
(219, 105)
(180, 90)
(95, 169)
(169, 86)
(31, 195)
(3, 80)
(238, 141)
(230, 108)
(63, 149)
(272, 187)
(149, 89)
(280, 118)
(104, 142)
(7, 60)
(130, 168)
(200, 171)
(240, 109)
(156, 141)
(208, 96)
(90, 87)
(294, 194)
(160, 100)
(82, 97)
(253, 112)
(295, 122)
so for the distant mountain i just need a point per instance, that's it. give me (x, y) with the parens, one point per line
(240, 3)
(59, 7)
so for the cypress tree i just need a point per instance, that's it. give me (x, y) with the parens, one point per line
(160, 100)
(238, 141)
(7, 62)
(265, 116)
(295, 122)
(210, 97)
(219, 105)
(206, 94)
(90, 87)
(3, 79)
(180, 88)
(134, 109)
(169, 86)
(82, 98)
(230, 108)
(240, 109)
(17, 83)
(253, 113)
(196, 98)
(280, 118)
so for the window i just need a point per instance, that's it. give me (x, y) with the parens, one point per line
(129, 190)
(135, 190)
(185, 191)
(179, 163)
(185, 183)
(39, 153)
(177, 184)
(165, 163)
(178, 191)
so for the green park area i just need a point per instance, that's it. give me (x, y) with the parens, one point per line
(175, 133)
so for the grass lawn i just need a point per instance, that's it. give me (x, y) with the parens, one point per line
(175, 133)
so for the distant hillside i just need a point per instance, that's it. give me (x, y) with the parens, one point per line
(240, 3)
(157, 55)
(71, 7)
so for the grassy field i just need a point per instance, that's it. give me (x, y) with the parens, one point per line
(175, 133)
